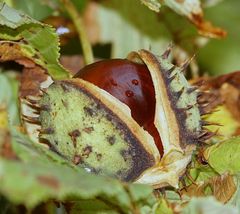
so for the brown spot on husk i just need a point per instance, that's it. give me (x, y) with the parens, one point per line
(77, 159)
(99, 156)
(86, 151)
(88, 129)
(111, 140)
(89, 111)
(74, 135)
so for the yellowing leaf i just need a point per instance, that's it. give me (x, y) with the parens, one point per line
(3, 118)
(228, 124)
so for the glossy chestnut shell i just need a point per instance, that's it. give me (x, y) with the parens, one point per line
(129, 82)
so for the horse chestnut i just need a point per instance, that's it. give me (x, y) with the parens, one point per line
(102, 138)
(132, 84)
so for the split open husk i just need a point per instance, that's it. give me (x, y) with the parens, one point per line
(177, 119)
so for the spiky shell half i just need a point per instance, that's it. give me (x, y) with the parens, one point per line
(177, 119)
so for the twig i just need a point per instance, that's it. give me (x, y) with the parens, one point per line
(77, 20)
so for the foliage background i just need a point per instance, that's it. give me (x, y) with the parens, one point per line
(114, 29)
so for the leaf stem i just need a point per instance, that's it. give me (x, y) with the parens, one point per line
(78, 22)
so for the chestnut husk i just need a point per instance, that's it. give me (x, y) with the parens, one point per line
(177, 118)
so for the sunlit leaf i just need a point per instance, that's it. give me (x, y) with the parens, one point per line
(228, 124)
(224, 156)
(24, 37)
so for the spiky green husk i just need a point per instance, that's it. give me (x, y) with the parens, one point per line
(78, 126)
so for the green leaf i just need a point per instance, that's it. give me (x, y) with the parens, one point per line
(225, 52)
(40, 178)
(40, 10)
(35, 40)
(224, 156)
(9, 95)
(80, 5)
(12, 18)
(34, 8)
(163, 207)
(39, 182)
(202, 173)
(207, 205)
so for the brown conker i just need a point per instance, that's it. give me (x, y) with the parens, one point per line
(132, 84)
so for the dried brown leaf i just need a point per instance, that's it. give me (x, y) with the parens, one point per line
(222, 187)
(228, 86)
(231, 98)
(193, 11)
(31, 80)
(225, 90)
(10, 51)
